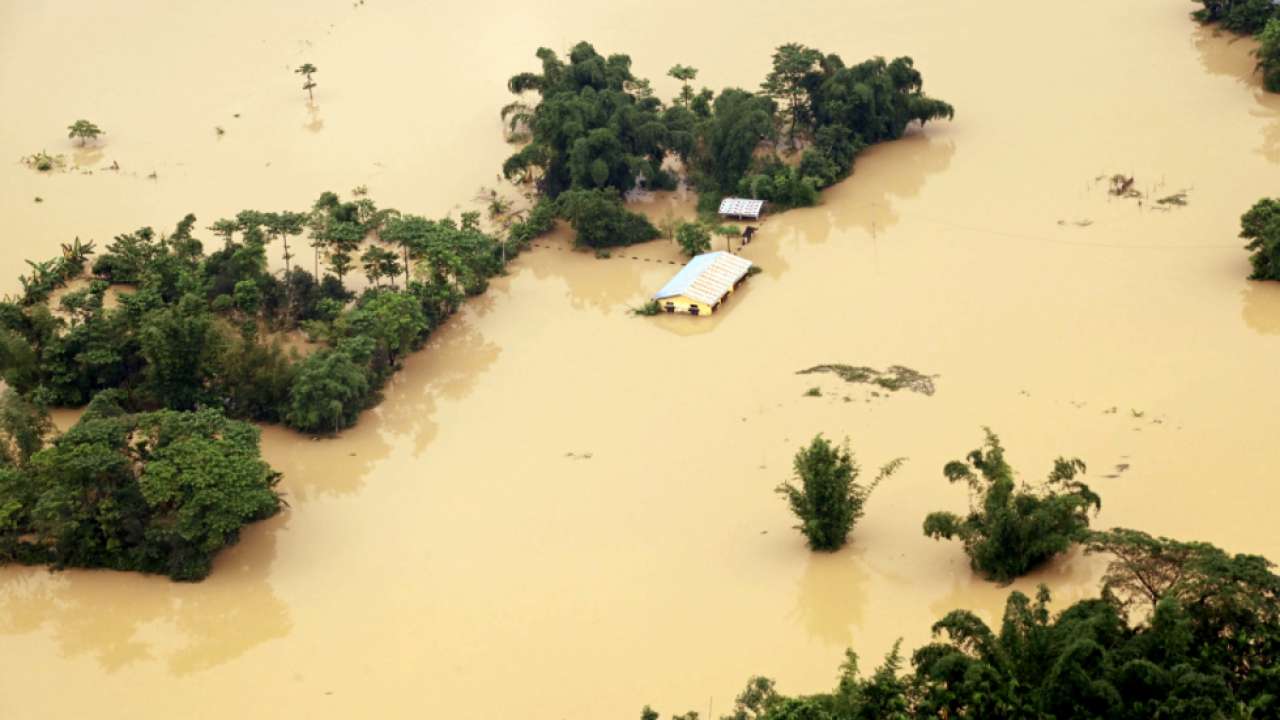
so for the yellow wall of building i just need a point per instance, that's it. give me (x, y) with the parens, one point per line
(682, 305)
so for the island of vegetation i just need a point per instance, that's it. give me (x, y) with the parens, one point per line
(597, 132)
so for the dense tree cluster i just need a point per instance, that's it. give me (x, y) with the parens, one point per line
(195, 330)
(597, 127)
(1206, 645)
(158, 492)
(829, 500)
(1011, 529)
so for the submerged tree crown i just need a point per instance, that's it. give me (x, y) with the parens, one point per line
(1010, 530)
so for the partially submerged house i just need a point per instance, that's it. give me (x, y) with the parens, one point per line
(741, 208)
(704, 283)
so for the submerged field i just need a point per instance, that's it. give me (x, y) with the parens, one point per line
(564, 511)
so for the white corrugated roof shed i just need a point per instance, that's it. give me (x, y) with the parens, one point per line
(741, 207)
(707, 278)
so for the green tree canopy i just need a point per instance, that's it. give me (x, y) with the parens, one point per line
(1012, 529)
(829, 501)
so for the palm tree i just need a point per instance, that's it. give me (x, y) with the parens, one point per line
(306, 70)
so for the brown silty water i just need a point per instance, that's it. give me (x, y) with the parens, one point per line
(564, 511)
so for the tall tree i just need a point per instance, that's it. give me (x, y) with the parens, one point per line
(306, 70)
(684, 74)
(792, 64)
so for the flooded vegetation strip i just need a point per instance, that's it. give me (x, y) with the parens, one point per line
(893, 379)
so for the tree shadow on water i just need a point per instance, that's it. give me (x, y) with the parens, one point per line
(122, 619)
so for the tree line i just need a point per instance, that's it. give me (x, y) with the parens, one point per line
(597, 132)
(161, 472)
(201, 330)
(1178, 629)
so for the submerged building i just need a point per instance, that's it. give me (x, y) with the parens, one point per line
(704, 283)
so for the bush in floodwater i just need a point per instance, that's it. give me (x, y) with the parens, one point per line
(1269, 55)
(693, 239)
(1011, 529)
(1261, 227)
(829, 500)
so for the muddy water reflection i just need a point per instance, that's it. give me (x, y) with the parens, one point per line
(123, 619)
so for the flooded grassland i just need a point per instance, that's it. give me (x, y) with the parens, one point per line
(563, 511)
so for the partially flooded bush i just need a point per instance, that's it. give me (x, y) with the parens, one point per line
(1010, 530)
(829, 500)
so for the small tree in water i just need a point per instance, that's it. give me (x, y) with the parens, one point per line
(1011, 530)
(693, 239)
(829, 500)
(307, 70)
(83, 130)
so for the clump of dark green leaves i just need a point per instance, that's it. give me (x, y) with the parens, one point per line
(1261, 227)
(1011, 528)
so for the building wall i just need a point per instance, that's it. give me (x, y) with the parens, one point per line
(682, 305)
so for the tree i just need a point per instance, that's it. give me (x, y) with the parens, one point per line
(307, 70)
(83, 130)
(24, 425)
(1269, 55)
(792, 64)
(829, 501)
(600, 220)
(181, 345)
(1261, 227)
(693, 238)
(156, 492)
(328, 393)
(738, 123)
(684, 74)
(1012, 529)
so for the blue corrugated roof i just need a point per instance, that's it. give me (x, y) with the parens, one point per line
(679, 285)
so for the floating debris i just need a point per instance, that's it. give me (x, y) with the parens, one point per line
(1123, 186)
(1179, 198)
(897, 377)
(813, 392)
(44, 162)
(39, 199)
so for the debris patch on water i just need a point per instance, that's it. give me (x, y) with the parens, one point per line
(895, 378)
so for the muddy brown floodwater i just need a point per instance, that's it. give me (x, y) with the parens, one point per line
(563, 511)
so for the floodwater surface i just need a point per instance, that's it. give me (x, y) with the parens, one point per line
(561, 510)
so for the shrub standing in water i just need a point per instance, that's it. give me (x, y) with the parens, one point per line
(1269, 55)
(1261, 227)
(1011, 530)
(829, 500)
(693, 238)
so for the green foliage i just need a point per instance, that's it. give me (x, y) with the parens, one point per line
(199, 330)
(328, 393)
(599, 219)
(1010, 529)
(1240, 16)
(1261, 227)
(1269, 55)
(83, 130)
(649, 309)
(159, 492)
(594, 126)
(1208, 648)
(829, 500)
(739, 122)
(693, 238)
(782, 186)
